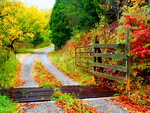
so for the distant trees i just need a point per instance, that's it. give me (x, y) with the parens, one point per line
(70, 15)
(20, 23)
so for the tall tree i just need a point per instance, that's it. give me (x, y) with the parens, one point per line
(72, 15)
(60, 32)
(20, 23)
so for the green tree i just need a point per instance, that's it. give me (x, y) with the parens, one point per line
(73, 15)
(83, 14)
(20, 23)
(60, 32)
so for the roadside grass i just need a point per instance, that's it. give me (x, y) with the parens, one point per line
(8, 72)
(7, 106)
(18, 81)
(64, 60)
(70, 104)
(44, 77)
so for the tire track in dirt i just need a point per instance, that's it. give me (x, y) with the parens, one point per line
(101, 105)
(28, 79)
(51, 68)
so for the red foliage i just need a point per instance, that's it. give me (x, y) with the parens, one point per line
(136, 19)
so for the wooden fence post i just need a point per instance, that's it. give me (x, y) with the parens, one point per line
(97, 59)
(75, 56)
(128, 59)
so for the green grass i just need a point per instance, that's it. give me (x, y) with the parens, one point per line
(64, 59)
(7, 106)
(8, 72)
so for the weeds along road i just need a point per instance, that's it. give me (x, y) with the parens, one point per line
(27, 69)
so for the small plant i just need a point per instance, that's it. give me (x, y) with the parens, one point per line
(24, 92)
(56, 94)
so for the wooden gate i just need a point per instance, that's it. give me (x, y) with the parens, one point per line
(102, 60)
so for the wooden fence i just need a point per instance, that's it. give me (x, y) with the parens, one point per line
(93, 60)
(84, 58)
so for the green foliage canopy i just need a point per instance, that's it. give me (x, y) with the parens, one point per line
(60, 33)
(19, 23)
(69, 16)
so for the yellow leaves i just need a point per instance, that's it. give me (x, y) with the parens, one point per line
(20, 21)
(118, 39)
(101, 25)
(147, 45)
(21, 38)
(30, 35)
(20, 32)
(12, 31)
(103, 6)
(138, 2)
(2, 36)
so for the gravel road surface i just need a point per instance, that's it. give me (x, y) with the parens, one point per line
(51, 68)
(102, 105)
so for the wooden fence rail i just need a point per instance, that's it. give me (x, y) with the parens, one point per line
(96, 67)
(84, 57)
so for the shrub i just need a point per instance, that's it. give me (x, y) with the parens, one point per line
(137, 19)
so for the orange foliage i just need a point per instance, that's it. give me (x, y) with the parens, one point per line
(85, 40)
(138, 2)
(44, 77)
(71, 43)
(134, 106)
(75, 108)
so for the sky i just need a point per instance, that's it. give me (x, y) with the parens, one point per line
(42, 4)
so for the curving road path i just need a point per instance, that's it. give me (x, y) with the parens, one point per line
(101, 104)
(51, 68)
(27, 69)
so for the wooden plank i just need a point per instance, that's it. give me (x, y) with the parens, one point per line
(122, 46)
(82, 66)
(84, 46)
(84, 62)
(121, 56)
(111, 77)
(85, 57)
(128, 59)
(120, 68)
(84, 52)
